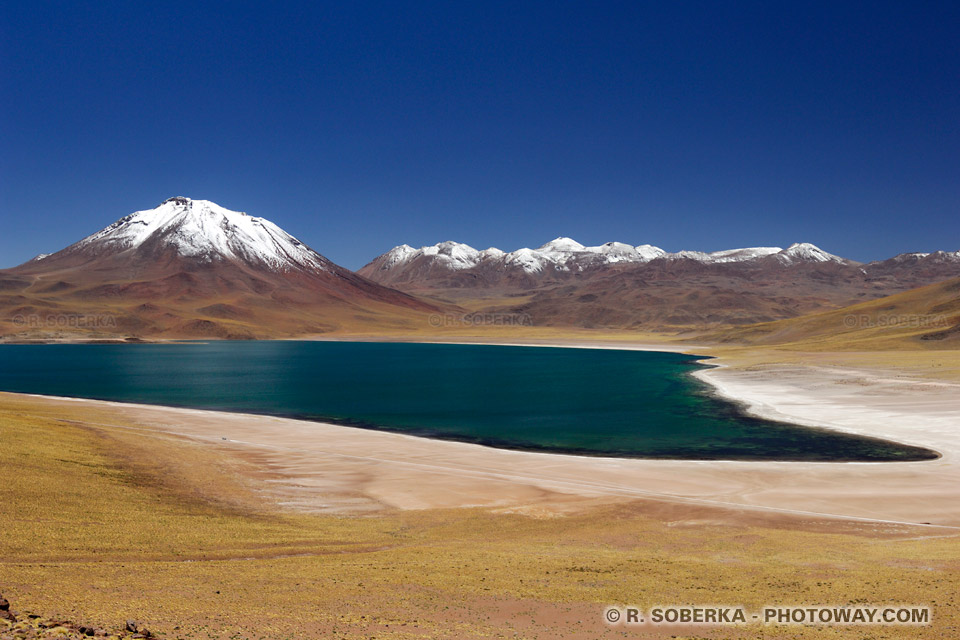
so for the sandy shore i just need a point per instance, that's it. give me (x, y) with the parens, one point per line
(328, 468)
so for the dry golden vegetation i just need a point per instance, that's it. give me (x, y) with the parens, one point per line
(100, 525)
(924, 318)
(43, 317)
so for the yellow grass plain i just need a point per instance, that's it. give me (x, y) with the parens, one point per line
(102, 525)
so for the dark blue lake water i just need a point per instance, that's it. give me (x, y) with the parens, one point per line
(592, 401)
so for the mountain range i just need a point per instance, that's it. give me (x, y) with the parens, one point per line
(618, 285)
(566, 257)
(562, 256)
(193, 269)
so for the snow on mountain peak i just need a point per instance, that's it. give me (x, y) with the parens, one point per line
(944, 256)
(726, 255)
(397, 255)
(530, 260)
(204, 230)
(562, 245)
(699, 256)
(456, 254)
(806, 252)
(561, 254)
(616, 252)
(566, 254)
(648, 252)
(739, 255)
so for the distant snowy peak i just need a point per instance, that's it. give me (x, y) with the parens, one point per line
(648, 252)
(397, 255)
(806, 252)
(739, 255)
(455, 254)
(795, 253)
(943, 256)
(938, 257)
(566, 254)
(207, 232)
(909, 257)
(562, 245)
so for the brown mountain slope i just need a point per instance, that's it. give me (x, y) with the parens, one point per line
(680, 295)
(687, 294)
(928, 317)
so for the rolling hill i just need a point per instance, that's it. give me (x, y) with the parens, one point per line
(927, 317)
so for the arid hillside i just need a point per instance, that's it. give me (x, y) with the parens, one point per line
(923, 318)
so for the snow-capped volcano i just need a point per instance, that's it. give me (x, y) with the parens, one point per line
(191, 268)
(206, 232)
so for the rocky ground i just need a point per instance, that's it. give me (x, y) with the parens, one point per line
(16, 625)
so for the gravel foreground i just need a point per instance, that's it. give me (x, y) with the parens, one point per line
(17, 625)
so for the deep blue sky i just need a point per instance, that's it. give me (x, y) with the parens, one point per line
(358, 126)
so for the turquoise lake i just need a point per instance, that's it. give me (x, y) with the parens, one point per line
(587, 401)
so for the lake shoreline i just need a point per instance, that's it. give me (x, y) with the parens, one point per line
(691, 419)
(314, 466)
(329, 468)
